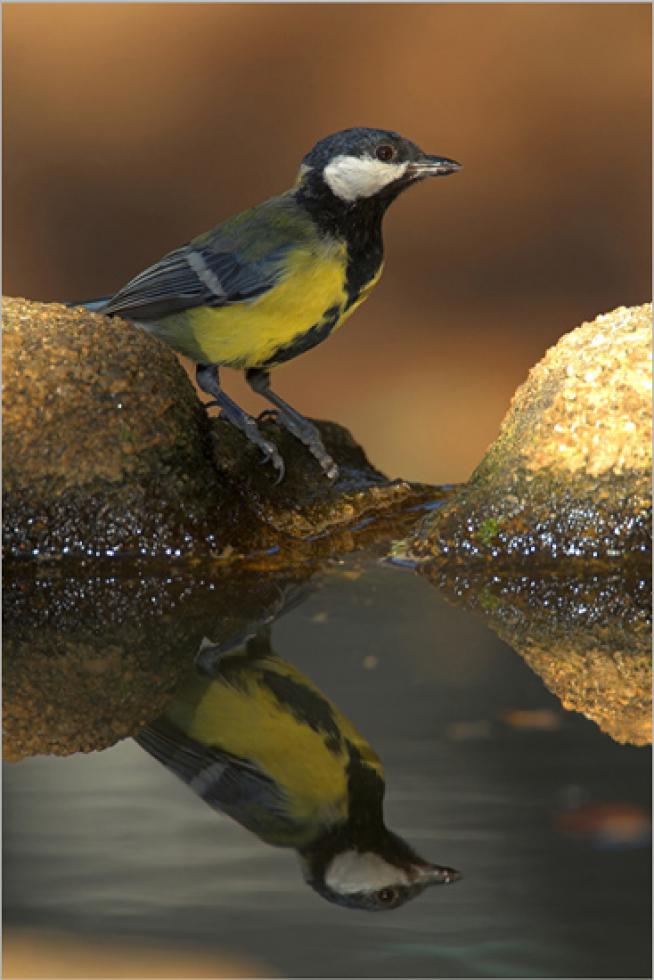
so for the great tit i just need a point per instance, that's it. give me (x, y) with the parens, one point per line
(256, 740)
(274, 281)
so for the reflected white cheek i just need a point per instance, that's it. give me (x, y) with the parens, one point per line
(353, 871)
(353, 177)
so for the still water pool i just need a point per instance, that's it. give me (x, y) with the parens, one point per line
(544, 814)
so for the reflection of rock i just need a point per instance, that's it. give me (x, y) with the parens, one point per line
(587, 636)
(570, 471)
(107, 449)
(90, 656)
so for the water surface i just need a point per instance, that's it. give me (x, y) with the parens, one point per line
(486, 772)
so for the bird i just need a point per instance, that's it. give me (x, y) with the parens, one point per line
(272, 282)
(257, 741)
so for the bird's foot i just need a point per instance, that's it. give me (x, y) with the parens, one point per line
(249, 428)
(310, 437)
(268, 449)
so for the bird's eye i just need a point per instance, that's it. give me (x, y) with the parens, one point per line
(385, 153)
(387, 895)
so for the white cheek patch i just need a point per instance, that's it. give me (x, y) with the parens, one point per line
(353, 871)
(352, 177)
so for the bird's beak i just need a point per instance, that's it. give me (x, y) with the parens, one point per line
(431, 166)
(432, 874)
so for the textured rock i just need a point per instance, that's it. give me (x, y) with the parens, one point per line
(569, 474)
(587, 636)
(106, 448)
(107, 451)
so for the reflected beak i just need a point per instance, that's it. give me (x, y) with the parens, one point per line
(430, 166)
(432, 874)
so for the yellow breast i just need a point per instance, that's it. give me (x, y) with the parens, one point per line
(248, 334)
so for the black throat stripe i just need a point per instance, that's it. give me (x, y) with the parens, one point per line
(358, 224)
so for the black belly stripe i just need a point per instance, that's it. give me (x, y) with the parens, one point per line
(306, 705)
(310, 338)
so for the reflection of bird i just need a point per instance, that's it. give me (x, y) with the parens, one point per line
(257, 741)
(275, 281)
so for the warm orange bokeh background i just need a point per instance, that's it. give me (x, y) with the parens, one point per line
(129, 128)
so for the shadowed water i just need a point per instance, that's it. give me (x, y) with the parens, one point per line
(485, 771)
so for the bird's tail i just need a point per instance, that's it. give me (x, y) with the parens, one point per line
(92, 305)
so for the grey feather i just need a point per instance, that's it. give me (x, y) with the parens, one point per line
(235, 786)
(192, 276)
(235, 262)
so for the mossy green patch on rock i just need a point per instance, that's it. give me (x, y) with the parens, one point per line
(488, 530)
(569, 474)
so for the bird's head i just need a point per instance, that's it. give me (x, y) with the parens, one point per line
(383, 875)
(361, 164)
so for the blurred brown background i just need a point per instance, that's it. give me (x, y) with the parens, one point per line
(129, 128)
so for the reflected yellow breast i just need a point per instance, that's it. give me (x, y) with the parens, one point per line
(247, 721)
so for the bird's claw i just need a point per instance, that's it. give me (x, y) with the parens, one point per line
(327, 464)
(270, 454)
(268, 413)
(309, 436)
(329, 468)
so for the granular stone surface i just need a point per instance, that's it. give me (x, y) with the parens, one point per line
(569, 474)
(106, 448)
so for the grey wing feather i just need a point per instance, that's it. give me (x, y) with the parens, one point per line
(194, 276)
(228, 783)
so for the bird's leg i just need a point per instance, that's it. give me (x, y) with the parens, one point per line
(206, 376)
(296, 424)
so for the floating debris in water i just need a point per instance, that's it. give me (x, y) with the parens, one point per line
(607, 825)
(464, 731)
(533, 719)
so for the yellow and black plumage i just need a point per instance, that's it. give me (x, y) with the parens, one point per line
(276, 280)
(258, 741)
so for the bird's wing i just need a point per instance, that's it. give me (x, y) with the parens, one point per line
(195, 275)
(233, 785)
